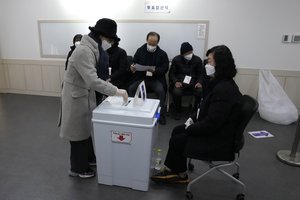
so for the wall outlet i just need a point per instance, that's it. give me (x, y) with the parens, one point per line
(286, 38)
(296, 38)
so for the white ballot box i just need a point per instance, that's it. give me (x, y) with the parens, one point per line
(125, 135)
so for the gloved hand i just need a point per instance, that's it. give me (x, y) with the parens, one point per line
(188, 122)
(122, 93)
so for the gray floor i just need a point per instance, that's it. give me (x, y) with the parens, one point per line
(34, 161)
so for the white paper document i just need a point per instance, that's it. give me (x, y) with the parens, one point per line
(187, 79)
(139, 67)
(149, 74)
(260, 134)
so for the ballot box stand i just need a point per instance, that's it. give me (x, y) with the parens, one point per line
(124, 136)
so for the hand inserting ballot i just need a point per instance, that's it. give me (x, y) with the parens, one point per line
(122, 93)
(188, 122)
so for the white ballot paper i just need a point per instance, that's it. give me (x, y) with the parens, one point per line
(139, 67)
(141, 89)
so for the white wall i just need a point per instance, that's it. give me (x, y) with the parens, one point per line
(252, 29)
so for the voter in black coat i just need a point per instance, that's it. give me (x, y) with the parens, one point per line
(213, 128)
(119, 66)
(186, 77)
(150, 54)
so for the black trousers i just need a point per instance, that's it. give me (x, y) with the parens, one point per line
(82, 152)
(177, 94)
(175, 159)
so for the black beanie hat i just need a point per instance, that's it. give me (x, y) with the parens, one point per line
(106, 27)
(185, 47)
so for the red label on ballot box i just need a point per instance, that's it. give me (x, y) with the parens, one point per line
(121, 137)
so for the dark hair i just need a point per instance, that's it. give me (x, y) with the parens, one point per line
(76, 37)
(225, 66)
(210, 50)
(153, 34)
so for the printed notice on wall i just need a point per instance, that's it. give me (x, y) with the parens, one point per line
(157, 7)
(201, 31)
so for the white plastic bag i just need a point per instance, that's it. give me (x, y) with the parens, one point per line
(274, 105)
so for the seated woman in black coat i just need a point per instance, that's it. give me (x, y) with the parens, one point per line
(209, 130)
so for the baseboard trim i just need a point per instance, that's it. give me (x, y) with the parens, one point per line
(28, 92)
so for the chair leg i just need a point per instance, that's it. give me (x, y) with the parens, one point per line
(237, 167)
(217, 167)
(188, 189)
(237, 173)
(234, 179)
(210, 164)
(190, 165)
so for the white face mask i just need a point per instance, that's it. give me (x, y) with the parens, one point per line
(105, 45)
(210, 70)
(151, 48)
(188, 56)
(77, 43)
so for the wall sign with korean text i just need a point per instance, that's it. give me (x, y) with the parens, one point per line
(157, 7)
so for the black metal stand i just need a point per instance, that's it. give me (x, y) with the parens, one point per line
(291, 157)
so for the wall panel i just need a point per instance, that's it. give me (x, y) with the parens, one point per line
(16, 77)
(33, 77)
(3, 84)
(51, 78)
(44, 77)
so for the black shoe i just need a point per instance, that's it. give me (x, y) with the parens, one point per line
(181, 179)
(162, 120)
(93, 163)
(164, 176)
(88, 174)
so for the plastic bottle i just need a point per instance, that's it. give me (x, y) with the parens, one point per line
(158, 159)
(153, 157)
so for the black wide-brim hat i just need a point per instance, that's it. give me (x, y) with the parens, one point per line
(106, 27)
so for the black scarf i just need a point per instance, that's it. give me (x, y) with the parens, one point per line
(103, 62)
